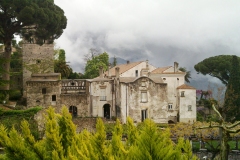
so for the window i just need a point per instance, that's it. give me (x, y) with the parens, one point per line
(189, 108)
(182, 93)
(170, 106)
(136, 73)
(44, 90)
(144, 114)
(144, 97)
(54, 98)
(103, 96)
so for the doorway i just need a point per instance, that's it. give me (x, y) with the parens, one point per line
(73, 111)
(106, 111)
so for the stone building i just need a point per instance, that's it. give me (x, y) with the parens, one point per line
(138, 90)
(160, 94)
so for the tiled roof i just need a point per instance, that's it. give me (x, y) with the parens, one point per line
(122, 68)
(160, 70)
(184, 86)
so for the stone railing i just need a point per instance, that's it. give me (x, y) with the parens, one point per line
(73, 86)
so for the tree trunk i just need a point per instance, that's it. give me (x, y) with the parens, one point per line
(224, 144)
(6, 66)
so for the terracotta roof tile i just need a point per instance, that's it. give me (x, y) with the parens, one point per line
(122, 68)
(160, 70)
(184, 86)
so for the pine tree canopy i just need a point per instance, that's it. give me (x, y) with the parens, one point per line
(37, 21)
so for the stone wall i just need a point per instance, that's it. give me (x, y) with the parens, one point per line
(36, 59)
(88, 123)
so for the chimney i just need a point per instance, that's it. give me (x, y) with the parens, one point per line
(146, 64)
(175, 67)
(117, 72)
(128, 62)
(101, 72)
(109, 66)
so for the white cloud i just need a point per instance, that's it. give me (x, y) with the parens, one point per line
(161, 31)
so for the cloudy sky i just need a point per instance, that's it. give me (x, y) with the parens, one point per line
(162, 31)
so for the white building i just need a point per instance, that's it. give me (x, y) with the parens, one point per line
(141, 91)
(138, 90)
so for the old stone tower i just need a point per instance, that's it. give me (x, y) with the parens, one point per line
(36, 59)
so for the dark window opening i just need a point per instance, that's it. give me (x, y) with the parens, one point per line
(106, 111)
(182, 94)
(136, 73)
(54, 98)
(73, 111)
(144, 114)
(44, 90)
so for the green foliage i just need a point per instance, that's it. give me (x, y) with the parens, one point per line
(74, 75)
(11, 118)
(114, 61)
(15, 95)
(60, 64)
(232, 95)
(61, 141)
(188, 74)
(27, 112)
(92, 66)
(41, 67)
(218, 66)
(153, 144)
(41, 19)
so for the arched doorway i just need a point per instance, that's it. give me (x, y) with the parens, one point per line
(106, 111)
(170, 122)
(73, 111)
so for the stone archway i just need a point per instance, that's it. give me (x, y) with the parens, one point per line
(106, 111)
(73, 111)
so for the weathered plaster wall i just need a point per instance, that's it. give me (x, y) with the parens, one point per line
(35, 97)
(189, 98)
(156, 104)
(81, 101)
(97, 103)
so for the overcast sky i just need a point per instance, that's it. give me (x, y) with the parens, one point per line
(162, 31)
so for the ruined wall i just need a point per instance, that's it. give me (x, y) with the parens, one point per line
(81, 101)
(132, 101)
(36, 97)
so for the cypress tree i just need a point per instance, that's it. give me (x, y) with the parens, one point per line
(118, 151)
(152, 144)
(99, 141)
(132, 132)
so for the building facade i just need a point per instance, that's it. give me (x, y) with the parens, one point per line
(160, 95)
